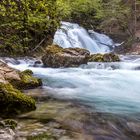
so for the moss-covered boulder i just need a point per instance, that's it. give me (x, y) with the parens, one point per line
(108, 57)
(27, 81)
(20, 80)
(13, 102)
(55, 57)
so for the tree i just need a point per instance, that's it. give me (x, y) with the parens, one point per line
(26, 22)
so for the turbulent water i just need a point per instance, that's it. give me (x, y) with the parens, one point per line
(72, 35)
(107, 87)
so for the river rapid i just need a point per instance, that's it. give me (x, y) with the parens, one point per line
(109, 87)
(108, 92)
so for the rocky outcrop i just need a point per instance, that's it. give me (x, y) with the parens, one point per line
(20, 80)
(55, 57)
(27, 81)
(109, 57)
(12, 100)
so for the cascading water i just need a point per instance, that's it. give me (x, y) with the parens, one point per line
(108, 91)
(109, 87)
(72, 35)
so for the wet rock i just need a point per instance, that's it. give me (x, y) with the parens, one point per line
(8, 123)
(37, 63)
(13, 101)
(27, 81)
(20, 80)
(7, 73)
(55, 57)
(134, 127)
(109, 57)
(7, 134)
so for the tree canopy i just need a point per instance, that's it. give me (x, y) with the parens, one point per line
(26, 23)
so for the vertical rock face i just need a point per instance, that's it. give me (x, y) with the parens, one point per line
(56, 57)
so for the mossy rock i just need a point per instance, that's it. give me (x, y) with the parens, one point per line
(43, 136)
(10, 123)
(53, 49)
(56, 56)
(108, 57)
(13, 102)
(27, 81)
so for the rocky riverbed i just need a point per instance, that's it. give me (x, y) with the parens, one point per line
(68, 120)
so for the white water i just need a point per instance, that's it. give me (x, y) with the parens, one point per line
(72, 35)
(109, 87)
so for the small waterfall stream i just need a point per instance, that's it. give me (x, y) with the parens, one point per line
(72, 35)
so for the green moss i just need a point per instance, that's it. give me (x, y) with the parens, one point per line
(10, 123)
(28, 72)
(43, 136)
(13, 102)
(109, 57)
(27, 81)
(54, 49)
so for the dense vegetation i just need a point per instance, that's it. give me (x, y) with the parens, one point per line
(27, 24)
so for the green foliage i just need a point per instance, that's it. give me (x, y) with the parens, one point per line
(116, 13)
(26, 23)
(43, 136)
(85, 12)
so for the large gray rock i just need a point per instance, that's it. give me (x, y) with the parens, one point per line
(55, 57)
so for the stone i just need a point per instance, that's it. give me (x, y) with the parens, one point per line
(108, 57)
(27, 81)
(13, 101)
(20, 80)
(55, 57)
(7, 134)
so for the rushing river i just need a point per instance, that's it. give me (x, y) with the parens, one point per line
(108, 92)
(108, 87)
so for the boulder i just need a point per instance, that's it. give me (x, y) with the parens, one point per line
(20, 80)
(55, 57)
(27, 81)
(13, 101)
(108, 57)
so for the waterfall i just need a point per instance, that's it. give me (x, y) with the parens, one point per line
(73, 35)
